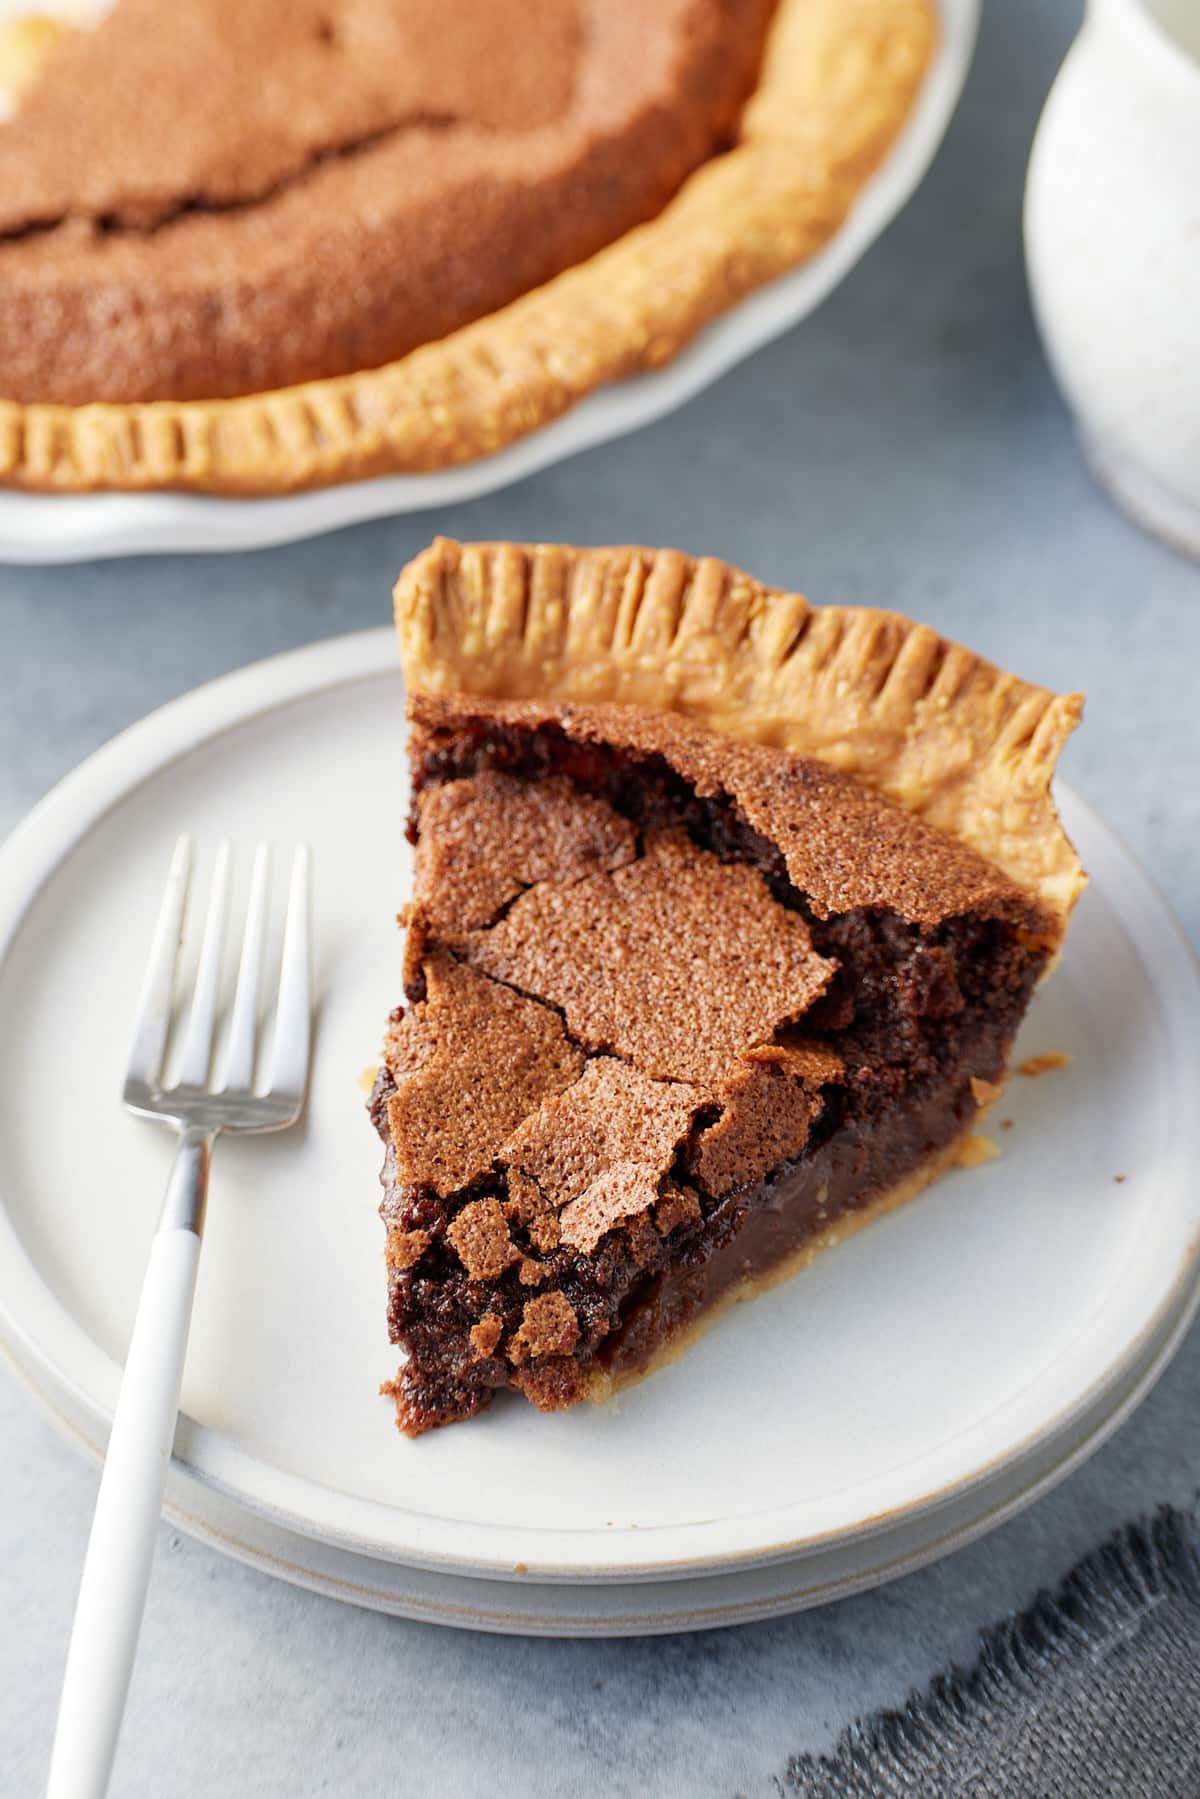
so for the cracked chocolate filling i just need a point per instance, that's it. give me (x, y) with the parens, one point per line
(146, 215)
(307, 188)
(778, 1121)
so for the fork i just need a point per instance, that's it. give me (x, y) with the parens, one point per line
(199, 1105)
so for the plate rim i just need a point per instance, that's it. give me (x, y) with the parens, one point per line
(50, 833)
(281, 1553)
(41, 529)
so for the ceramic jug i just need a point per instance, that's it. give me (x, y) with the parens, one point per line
(1112, 239)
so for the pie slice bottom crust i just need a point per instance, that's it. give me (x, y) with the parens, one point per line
(681, 1010)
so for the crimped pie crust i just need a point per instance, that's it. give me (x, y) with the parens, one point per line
(945, 734)
(838, 79)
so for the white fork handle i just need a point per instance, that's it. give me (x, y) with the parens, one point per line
(116, 1573)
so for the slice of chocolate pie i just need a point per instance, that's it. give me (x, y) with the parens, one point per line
(726, 911)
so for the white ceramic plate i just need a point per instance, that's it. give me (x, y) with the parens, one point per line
(63, 528)
(914, 1386)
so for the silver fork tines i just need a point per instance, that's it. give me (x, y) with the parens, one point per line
(202, 1019)
(196, 1099)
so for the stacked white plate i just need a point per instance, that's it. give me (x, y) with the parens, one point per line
(911, 1389)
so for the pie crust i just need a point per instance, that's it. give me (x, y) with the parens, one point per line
(943, 733)
(838, 80)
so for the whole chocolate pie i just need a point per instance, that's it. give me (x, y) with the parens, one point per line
(331, 238)
(726, 911)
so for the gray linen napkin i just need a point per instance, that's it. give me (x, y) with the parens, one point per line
(1093, 1693)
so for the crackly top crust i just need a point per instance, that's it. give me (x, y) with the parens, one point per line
(837, 81)
(844, 846)
(485, 839)
(967, 748)
(309, 187)
(620, 955)
(341, 72)
(620, 998)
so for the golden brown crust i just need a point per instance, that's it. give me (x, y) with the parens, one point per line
(948, 736)
(838, 80)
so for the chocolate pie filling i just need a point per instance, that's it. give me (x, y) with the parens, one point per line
(267, 192)
(677, 1006)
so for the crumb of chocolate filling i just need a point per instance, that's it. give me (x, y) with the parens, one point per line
(486, 1334)
(480, 1236)
(405, 1248)
(548, 1327)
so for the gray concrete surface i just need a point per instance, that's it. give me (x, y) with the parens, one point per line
(903, 446)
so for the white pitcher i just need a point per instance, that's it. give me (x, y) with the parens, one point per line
(1112, 239)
